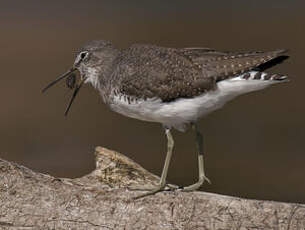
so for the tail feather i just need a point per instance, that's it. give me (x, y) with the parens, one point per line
(257, 75)
(248, 82)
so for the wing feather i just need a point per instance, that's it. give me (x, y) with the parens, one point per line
(147, 71)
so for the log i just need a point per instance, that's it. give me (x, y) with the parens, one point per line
(103, 199)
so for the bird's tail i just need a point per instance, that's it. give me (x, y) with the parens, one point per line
(262, 76)
(248, 82)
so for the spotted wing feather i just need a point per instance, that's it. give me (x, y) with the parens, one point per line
(144, 71)
(223, 65)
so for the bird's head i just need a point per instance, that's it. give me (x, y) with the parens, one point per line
(91, 62)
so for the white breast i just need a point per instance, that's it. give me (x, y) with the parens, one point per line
(92, 77)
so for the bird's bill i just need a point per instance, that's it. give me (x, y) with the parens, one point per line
(76, 90)
(58, 79)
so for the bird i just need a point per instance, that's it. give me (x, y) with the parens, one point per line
(172, 86)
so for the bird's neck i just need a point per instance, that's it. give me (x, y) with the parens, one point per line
(100, 73)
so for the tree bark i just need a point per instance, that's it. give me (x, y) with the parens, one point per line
(103, 199)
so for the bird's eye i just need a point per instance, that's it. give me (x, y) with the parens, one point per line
(83, 55)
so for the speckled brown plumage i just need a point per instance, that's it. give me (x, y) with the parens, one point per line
(147, 71)
(176, 81)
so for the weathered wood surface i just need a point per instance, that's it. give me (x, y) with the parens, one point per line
(103, 200)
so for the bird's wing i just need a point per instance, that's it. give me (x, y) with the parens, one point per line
(144, 71)
(223, 65)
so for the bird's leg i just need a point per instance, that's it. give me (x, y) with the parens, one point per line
(202, 177)
(162, 183)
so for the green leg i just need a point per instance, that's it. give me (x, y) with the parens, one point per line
(202, 177)
(162, 183)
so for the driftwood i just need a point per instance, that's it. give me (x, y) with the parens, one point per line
(104, 200)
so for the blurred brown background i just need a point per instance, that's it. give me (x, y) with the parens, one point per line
(254, 145)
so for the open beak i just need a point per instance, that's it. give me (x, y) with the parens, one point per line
(66, 74)
(76, 90)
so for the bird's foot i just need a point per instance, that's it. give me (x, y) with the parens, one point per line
(157, 189)
(195, 186)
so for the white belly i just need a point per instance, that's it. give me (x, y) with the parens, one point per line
(185, 110)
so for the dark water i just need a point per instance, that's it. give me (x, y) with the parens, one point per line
(254, 145)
